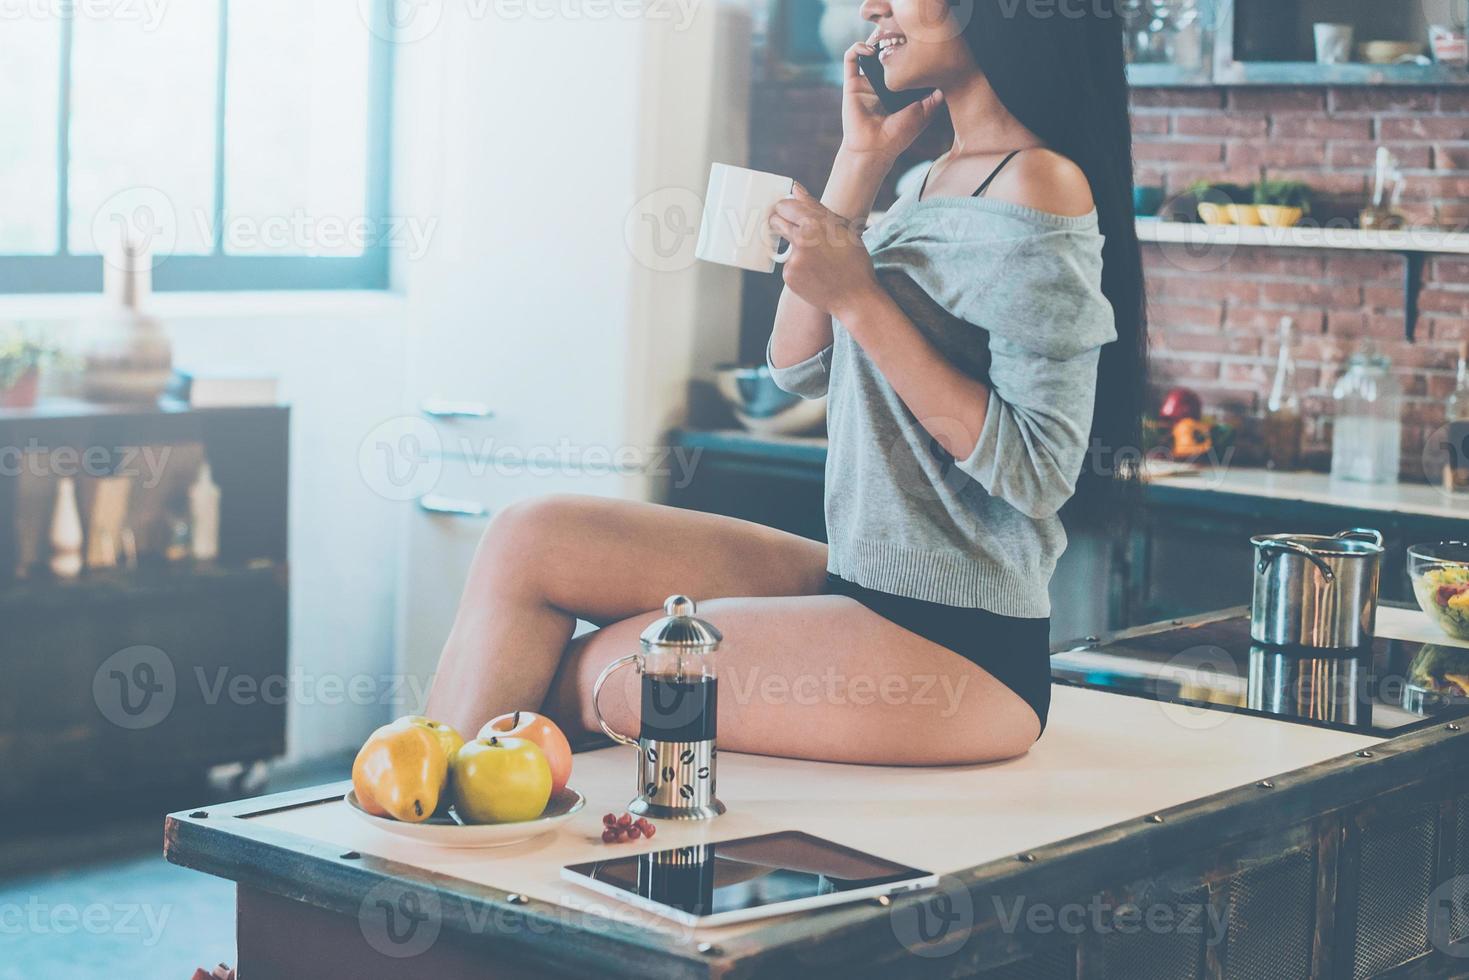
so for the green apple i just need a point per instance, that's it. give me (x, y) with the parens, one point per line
(500, 780)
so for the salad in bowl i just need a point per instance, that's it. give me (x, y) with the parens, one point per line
(1440, 574)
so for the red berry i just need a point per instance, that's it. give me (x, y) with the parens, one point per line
(609, 819)
(649, 830)
(609, 836)
(625, 820)
(644, 823)
(634, 832)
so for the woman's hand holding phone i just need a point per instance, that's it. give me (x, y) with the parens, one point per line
(867, 127)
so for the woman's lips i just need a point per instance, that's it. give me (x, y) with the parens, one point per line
(887, 45)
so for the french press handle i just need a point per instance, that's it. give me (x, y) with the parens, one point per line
(607, 672)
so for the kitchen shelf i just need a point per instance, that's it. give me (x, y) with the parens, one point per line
(1414, 245)
(1353, 239)
(1162, 75)
(1355, 73)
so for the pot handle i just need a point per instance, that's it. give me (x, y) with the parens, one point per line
(1362, 532)
(1269, 548)
(607, 672)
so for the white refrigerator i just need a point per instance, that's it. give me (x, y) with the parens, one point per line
(556, 314)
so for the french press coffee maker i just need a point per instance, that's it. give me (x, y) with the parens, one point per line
(679, 703)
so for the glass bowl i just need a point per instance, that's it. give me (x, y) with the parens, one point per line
(1440, 575)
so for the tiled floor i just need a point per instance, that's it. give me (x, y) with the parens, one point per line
(118, 910)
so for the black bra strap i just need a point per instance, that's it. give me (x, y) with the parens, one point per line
(993, 174)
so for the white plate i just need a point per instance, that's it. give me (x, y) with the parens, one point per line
(447, 831)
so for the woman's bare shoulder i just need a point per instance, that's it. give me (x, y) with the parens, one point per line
(1046, 181)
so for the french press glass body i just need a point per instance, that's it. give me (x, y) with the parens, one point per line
(679, 708)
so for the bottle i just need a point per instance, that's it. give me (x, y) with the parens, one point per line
(204, 516)
(66, 531)
(128, 356)
(1456, 436)
(1283, 425)
(1367, 434)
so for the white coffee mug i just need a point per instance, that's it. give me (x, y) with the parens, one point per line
(735, 227)
(1334, 43)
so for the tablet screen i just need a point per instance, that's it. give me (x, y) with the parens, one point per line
(749, 873)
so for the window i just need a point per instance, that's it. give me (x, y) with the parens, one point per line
(244, 142)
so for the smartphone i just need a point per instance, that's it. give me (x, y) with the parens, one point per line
(891, 101)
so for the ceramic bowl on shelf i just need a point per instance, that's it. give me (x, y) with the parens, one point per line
(761, 406)
(1244, 214)
(1215, 214)
(1279, 216)
(1440, 576)
(1388, 52)
(806, 417)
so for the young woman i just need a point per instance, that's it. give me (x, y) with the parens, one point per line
(982, 350)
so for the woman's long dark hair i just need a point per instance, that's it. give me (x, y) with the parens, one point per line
(1058, 67)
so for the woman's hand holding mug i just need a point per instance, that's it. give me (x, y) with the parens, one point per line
(828, 266)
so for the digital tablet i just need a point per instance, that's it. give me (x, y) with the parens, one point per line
(749, 878)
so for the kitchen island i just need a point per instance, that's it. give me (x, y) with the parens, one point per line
(1167, 825)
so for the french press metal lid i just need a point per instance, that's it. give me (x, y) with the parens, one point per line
(678, 713)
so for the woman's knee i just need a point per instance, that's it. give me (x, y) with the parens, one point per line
(519, 536)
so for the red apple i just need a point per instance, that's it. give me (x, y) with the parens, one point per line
(1181, 403)
(541, 730)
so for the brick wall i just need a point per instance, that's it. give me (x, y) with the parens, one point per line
(1215, 317)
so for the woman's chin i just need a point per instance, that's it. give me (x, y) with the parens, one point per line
(897, 81)
(901, 81)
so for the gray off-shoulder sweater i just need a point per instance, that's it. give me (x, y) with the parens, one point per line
(1013, 297)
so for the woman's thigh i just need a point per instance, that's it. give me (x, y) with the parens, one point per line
(819, 677)
(603, 559)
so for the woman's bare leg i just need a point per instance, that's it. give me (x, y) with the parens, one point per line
(820, 677)
(547, 562)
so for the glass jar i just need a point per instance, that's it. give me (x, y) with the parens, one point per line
(1367, 433)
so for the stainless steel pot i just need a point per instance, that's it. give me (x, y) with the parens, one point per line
(1316, 591)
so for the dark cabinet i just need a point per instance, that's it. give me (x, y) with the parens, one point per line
(1186, 552)
(131, 677)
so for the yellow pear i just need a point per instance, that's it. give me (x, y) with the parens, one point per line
(400, 772)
